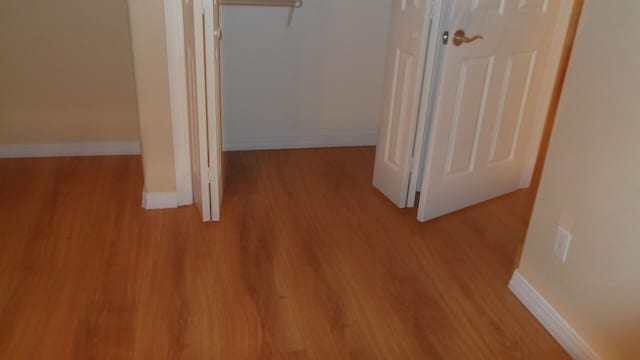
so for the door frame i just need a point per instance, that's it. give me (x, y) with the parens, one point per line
(174, 34)
(421, 147)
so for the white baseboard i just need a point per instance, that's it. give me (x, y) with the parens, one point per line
(297, 141)
(69, 149)
(555, 324)
(159, 200)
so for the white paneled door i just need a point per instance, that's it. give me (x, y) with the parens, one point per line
(491, 72)
(408, 40)
(202, 52)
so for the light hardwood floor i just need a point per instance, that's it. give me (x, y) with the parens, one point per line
(308, 262)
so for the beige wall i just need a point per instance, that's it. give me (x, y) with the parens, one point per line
(591, 186)
(66, 73)
(152, 87)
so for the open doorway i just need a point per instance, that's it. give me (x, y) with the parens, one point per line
(428, 59)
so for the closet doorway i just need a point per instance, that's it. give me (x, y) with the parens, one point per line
(468, 85)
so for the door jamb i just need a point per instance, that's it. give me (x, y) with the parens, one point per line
(174, 34)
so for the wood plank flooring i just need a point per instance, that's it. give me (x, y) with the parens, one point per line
(308, 262)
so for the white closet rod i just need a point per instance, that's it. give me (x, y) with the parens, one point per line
(293, 5)
(287, 3)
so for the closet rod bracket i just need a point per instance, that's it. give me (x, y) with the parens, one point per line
(292, 9)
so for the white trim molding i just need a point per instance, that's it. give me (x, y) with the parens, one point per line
(174, 33)
(69, 149)
(555, 324)
(297, 141)
(159, 200)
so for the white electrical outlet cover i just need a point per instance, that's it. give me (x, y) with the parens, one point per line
(561, 246)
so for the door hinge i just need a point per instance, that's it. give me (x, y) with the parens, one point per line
(210, 175)
(411, 165)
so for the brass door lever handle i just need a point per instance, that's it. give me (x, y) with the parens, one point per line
(459, 38)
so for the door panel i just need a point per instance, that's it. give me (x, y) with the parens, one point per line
(487, 94)
(487, 5)
(468, 115)
(403, 81)
(400, 102)
(511, 107)
(539, 5)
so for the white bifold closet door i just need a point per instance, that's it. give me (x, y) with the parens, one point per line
(408, 41)
(202, 52)
(487, 99)
(482, 107)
